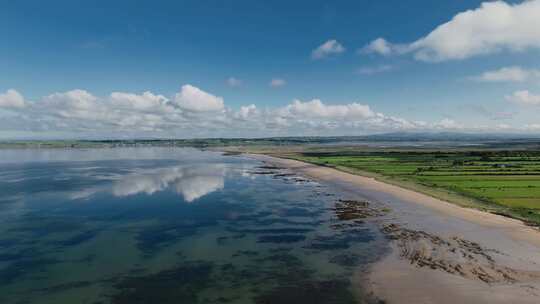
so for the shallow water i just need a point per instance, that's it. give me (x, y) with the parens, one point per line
(168, 225)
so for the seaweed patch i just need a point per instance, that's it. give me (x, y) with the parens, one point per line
(283, 238)
(313, 292)
(178, 285)
(340, 241)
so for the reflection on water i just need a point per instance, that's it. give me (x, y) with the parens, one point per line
(123, 230)
(191, 182)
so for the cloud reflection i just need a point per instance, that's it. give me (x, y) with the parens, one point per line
(191, 182)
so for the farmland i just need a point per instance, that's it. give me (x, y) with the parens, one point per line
(506, 182)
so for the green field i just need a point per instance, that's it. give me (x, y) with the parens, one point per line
(506, 182)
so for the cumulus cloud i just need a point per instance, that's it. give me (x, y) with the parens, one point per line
(370, 70)
(378, 46)
(524, 97)
(73, 104)
(191, 98)
(509, 74)
(247, 112)
(447, 124)
(79, 111)
(277, 82)
(12, 99)
(234, 82)
(193, 112)
(493, 27)
(329, 48)
(317, 109)
(145, 101)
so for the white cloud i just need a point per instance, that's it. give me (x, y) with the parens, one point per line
(532, 127)
(493, 27)
(378, 46)
(247, 112)
(234, 82)
(524, 97)
(370, 70)
(277, 82)
(79, 113)
(317, 109)
(330, 47)
(145, 101)
(447, 124)
(191, 98)
(73, 104)
(509, 74)
(12, 99)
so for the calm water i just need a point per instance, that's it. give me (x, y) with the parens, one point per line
(164, 225)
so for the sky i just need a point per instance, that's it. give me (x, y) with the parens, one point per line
(184, 69)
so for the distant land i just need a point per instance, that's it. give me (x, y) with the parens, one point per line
(401, 139)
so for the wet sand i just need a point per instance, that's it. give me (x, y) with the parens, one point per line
(440, 252)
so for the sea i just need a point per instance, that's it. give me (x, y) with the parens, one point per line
(173, 225)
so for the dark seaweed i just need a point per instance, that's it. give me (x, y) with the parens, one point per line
(20, 268)
(271, 230)
(78, 239)
(41, 226)
(65, 286)
(342, 240)
(283, 238)
(178, 285)
(312, 292)
(149, 240)
(346, 260)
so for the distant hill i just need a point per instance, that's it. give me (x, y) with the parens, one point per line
(447, 136)
(398, 138)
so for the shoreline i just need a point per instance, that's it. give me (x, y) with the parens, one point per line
(442, 194)
(439, 231)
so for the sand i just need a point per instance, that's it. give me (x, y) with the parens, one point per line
(440, 252)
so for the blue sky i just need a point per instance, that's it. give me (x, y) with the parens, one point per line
(232, 50)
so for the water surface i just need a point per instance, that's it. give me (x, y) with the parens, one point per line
(168, 225)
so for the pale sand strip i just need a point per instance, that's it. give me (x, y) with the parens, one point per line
(395, 280)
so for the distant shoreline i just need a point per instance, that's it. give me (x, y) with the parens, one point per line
(512, 245)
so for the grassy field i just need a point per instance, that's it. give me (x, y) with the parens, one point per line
(506, 182)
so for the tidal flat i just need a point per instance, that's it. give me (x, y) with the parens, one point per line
(176, 225)
(440, 252)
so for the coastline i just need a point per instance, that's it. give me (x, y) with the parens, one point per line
(513, 246)
(442, 194)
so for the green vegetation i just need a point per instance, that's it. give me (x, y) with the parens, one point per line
(506, 182)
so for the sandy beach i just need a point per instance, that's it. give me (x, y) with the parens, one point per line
(441, 253)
